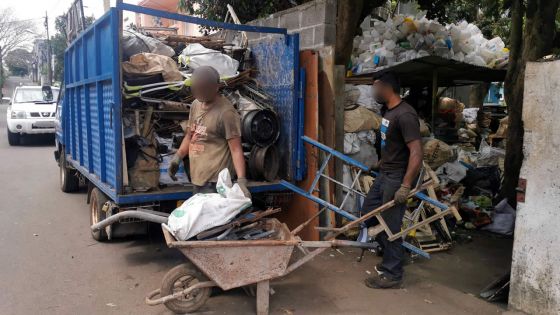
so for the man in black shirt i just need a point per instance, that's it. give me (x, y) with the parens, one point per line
(401, 159)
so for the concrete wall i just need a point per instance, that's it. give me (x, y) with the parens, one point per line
(315, 22)
(535, 278)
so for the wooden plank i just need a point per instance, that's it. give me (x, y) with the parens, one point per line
(301, 209)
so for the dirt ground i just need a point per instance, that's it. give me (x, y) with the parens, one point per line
(448, 283)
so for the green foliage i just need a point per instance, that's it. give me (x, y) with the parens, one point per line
(18, 61)
(59, 44)
(246, 10)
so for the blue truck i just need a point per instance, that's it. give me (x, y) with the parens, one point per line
(89, 128)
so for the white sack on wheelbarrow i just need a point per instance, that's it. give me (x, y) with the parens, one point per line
(205, 211)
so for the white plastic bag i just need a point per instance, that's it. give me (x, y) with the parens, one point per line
(134, 43)
(351, 143)
(196, 55)
(205, 211)
(503, 219)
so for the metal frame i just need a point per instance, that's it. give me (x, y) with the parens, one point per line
(382, 227)
(75, 157)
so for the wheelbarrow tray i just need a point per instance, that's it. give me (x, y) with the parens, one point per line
(232, 264)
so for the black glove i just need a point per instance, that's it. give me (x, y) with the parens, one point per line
(242, 182)
(174, 166)
(375, 168)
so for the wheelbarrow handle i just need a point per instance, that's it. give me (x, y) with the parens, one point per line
(337, 243)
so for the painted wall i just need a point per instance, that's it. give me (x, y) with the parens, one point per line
(535, 278)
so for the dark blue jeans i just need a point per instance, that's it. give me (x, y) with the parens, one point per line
(383, 191)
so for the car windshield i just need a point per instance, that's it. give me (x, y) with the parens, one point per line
(36, 95)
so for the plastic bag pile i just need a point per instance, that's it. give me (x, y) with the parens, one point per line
(404, 38)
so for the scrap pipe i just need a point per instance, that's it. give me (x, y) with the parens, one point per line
(129, 214)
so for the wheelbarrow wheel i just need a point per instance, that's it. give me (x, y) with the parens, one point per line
(180, 278)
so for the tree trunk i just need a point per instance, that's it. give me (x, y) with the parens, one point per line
(534, 43)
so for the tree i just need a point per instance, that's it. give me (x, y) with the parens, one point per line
(13, 34)
(532, 37)
(18, 61)
(59, 43)
(246, 10)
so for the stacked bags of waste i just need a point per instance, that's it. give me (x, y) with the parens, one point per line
(402, 38)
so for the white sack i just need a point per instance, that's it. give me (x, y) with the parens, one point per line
(196, 55)
(205, 211)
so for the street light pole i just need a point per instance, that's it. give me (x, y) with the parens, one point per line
(49, 61)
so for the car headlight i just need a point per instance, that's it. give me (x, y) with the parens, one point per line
(17, 114)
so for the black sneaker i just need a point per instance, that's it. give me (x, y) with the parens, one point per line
(382, 282)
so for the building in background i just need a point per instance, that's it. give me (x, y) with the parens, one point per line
(149, 22)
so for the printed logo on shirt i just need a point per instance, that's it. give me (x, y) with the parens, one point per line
(198, 136)
(384, 128)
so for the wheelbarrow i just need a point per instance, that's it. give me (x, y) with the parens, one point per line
(233, 264)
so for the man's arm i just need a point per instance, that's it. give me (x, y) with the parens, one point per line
(237, 156)
(414, 161)
(184, 147)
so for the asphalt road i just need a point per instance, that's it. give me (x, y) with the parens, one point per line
(49, 264)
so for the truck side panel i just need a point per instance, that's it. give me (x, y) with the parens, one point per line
(90, 113)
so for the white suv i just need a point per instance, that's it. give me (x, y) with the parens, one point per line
(31, 111)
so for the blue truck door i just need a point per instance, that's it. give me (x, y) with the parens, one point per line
(92, 111)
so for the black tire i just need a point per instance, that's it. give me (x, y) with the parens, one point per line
(184, 275)
(69, 182)
(96, 202)
(13, 138)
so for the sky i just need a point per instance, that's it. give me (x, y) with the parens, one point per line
(35, 9)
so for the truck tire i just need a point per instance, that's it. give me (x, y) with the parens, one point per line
(96, 202)
(180, 278)
(69, 182)
(13, 138)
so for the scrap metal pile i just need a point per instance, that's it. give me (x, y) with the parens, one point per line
(157, 69)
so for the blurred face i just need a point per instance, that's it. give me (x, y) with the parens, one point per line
(204, 88)
(382, 92)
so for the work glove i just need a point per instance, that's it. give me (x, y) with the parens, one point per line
(174, 166)
(242, 182)
(402, 194)
(375, 168)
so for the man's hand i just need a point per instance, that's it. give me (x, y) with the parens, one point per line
(375, 168)
(242, 182)
(174, 166)
(402, 194)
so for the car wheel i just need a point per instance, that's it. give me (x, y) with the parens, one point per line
(96, 202)
(13, 138)
(69, 182)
